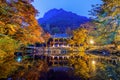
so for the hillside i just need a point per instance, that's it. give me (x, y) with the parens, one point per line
(59, 20)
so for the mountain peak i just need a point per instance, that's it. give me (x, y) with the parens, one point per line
(58, 19)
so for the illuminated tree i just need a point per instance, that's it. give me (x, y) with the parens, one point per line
(7, 49)
(19, 16)
(17, 26)
(79, 39)
(46, 37)
(107, 21)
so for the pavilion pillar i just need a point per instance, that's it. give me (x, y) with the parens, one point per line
(58, 42)
(63, 42)
(53, 42)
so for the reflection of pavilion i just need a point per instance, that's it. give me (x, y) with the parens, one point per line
(59, 40)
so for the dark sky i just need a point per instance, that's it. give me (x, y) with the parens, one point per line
(80, 7)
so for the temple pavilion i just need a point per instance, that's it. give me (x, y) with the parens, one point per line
(59, 40)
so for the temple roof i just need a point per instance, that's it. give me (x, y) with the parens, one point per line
(63, 35)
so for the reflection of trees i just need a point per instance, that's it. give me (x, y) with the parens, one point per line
(17, 26)
(7, 62)
(80, 66)
(31, 71)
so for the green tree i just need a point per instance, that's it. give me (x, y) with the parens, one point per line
(107, 21)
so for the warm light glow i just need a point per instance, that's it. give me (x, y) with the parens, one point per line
(93, 62)
(91, 41)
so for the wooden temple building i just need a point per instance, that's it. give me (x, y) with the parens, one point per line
(59, 40)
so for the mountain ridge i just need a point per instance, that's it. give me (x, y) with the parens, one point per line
(58, 20)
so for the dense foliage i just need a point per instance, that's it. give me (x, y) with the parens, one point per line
(105, 30)
(17, 20)
(18, 26)
(107, 22)
(79, 39)
(79, 43)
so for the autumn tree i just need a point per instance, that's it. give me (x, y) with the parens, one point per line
(79, 40)
(17, 26)
(7, 48)
(46, 37)
(18, 20)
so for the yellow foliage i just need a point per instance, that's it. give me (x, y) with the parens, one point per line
(80, 37)
(7, 63)
(81, 67)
